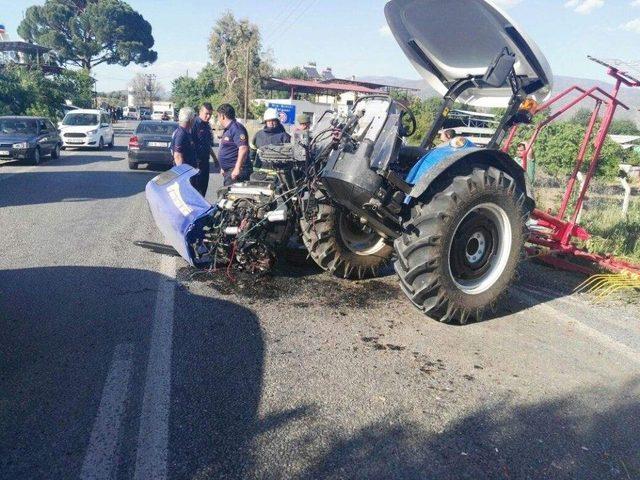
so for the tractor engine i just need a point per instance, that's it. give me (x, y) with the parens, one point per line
(249, 223)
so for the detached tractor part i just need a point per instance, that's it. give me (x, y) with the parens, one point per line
(552, 237)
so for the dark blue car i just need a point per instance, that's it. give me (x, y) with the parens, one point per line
(28, 138)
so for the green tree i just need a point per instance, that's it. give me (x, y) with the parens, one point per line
(192, 92)
(231, 42)
(86, 33)
(26, 91)
(558, 144)
(425, 112)
(582, 116)
(295, 72)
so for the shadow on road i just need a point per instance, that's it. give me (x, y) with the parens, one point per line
(569, 438)
(35, 187)
(60, 326)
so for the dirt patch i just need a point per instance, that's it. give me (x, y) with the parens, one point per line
(298, 286)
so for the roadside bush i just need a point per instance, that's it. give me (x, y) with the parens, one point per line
(558, 144)
(26, 91)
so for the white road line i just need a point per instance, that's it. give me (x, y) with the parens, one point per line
(100, 459)
(586, 330)
(153, 437)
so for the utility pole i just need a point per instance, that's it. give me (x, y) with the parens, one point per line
(246, 87)
(150, 81)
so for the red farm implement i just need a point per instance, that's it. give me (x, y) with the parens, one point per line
(552, 236)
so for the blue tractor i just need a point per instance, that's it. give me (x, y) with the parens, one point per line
(451, 217)
(456, 213)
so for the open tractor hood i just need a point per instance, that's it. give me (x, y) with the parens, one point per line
(449, 40)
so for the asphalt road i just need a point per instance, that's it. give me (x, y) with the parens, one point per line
(117, 361)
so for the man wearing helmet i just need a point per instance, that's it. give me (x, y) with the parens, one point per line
(273, 133)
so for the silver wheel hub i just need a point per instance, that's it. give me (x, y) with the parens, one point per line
(475, 247)
(358, 237)
(480, 248)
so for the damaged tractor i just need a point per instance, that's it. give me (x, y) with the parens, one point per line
(454, 216)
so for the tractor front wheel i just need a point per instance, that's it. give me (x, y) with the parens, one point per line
(459, 252)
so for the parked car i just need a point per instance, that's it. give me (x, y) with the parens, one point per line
(28, 138)
(150, 144)
(130, 113)
(87, 128)
(166, 115)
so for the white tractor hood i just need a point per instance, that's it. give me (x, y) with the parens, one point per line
(447, 40)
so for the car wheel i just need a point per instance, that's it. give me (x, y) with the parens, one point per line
(37, 158)
(101, 144)
(55, 153)
(113, 138)
(133, 166)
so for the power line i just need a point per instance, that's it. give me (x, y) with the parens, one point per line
(304, 10)
(279, 27)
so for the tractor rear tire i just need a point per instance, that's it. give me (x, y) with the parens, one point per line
(460, 251)
(340, 244)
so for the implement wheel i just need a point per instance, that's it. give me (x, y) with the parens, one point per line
(460, 251)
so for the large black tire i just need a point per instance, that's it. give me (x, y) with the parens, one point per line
(55, 153)
(460, 251)
(329, 236)
(133, 165)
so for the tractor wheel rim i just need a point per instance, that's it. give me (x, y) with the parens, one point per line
(357, 237)
(480, 248)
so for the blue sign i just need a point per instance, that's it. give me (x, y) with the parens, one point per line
(287, 113)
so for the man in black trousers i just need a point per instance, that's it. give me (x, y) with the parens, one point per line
(203, 139)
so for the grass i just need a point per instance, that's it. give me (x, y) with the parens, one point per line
(613, 233)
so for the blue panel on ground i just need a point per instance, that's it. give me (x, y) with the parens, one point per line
(178, 209)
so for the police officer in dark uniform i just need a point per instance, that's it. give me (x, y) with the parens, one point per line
(182, 145)
(203, 138)
(233, 154)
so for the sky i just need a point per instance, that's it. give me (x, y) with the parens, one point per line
(351, 36)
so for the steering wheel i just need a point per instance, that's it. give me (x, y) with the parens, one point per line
(408, 123)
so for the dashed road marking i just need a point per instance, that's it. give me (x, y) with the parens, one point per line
(100, 459)
(153, 437)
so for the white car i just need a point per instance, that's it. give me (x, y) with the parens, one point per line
(87, 128)
(162, 115)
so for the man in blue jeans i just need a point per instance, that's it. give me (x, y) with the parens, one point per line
(233, 154)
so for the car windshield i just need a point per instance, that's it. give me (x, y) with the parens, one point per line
(80, 119)
(156, 128)
(16, 125)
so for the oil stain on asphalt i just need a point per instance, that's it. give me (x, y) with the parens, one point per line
(299, 284)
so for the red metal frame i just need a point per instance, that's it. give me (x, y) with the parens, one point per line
(553, 234)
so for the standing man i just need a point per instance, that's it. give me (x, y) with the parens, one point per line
(182, 145)
(273, 133)
(302, 133)
(531, 161)
(203, 139)
(233, 153)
